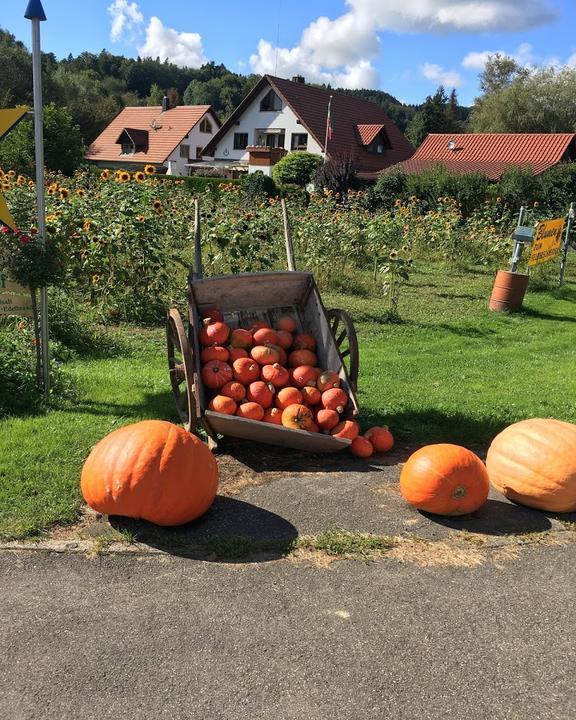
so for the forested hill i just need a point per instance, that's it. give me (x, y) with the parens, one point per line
(95, 87)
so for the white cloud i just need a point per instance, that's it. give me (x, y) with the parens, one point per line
(448, 78)
(478, 60)
(126, 19)
(571, 62)
(524, 56)
(181, 48)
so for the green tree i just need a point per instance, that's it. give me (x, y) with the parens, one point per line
(63, 150)
(296, 168)
(438, 114)
(156, 95)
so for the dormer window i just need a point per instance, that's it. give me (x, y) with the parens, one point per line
(380, 144)
(270, 102)
(133, 140)
(206, 126)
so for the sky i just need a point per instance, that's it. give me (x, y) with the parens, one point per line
(405, 47)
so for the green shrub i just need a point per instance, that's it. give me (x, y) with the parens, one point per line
(296, 168)
(257, 185)
(389, 187)
(518, 186)
(558, 188)
(469, 190)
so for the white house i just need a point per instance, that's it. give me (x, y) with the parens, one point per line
(168, 138)
(280, 116)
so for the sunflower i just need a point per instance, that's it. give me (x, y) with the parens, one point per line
(149, 169)
(393, 254)
(11, 173)
(64, 193)
(157, 205)
(95, 279)
(87, 225)
(21, 180)
(405, 248)
(5, 185)
(80, 192)
(51, 218)
(105, 174)
(398, 202)
(139, 176)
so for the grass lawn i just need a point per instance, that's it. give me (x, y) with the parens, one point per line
(451, 371)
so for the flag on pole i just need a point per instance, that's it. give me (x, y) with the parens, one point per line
(329, 123)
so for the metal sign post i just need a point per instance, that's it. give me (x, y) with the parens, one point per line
(521, 236)
(564, 256)
(35, 13)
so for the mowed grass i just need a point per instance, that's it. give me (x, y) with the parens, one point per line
(451, 371)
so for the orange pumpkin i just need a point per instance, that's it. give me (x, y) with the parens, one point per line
(223, 404)
(214, 333)
(261, 392)
(304, 375)
(212, 314)
(297, 417)
(215, 374)
(241, 339)
(302, 357)
(273, 416)
(533, 463)
(327, 419)
(381, 438)
(284, 339)
(258, 325)
(346, 430)
(286, 323)
(265, 354)
(335, 399)
(265, 336)
(214, 353)
(445, 480)
(288, 396)
(328, 380)
(305, 341)
(236, 353)
(245, 371)
(276, 374)
(152, 470)
(311, 395)
(234, 390)
(361, 447)
(282, 356)
(250, 410)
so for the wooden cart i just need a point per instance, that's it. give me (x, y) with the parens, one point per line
(243, 299)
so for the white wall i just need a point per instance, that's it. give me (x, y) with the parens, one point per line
(252, 119)
(177, 165)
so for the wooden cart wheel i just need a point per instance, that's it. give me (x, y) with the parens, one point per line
(346, 340)
(181, 367)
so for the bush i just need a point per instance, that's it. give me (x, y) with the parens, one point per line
(296, 168)
(389, 187)
(518, 186)
(558, 188)
(338, 174)
(469, 190)
(257, 185)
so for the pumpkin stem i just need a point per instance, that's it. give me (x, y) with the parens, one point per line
(459, 492)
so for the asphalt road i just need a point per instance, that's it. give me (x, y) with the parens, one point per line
(153, 637)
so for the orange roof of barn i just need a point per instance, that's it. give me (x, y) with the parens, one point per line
(310, 105)
(166, 130)
(492, 153)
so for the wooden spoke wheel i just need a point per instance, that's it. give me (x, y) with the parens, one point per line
(346, 340)
(181, 368)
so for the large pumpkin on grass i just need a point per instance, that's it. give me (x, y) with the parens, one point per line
(533, 463)
(445, 480)
(152, 470)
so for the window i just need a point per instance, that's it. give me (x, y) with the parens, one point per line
(199, 153)
(270, 102)
(185, 151)
(240, 141)
(206, 126)
(299, 141)
(128, 149)
(380, 144)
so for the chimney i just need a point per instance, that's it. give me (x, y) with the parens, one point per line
(165, 103)
(299, 79)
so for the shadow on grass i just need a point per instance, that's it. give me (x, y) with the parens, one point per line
(530, 312)
(153, 405)
(231, 531)
(497, 517)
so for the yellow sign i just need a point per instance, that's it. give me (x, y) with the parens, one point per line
(9, 118)
(547, 241)
(14, 299)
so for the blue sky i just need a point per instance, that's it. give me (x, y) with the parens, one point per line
(406, 47)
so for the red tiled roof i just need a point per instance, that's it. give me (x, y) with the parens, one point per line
(310, 104)
(490, 153)
(172, 127)
(367, 133)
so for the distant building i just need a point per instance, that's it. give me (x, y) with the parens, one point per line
(280, 116)
(492, 153)
(168, 138)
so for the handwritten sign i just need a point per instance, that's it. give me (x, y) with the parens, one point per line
(14, 299)
(547, 241)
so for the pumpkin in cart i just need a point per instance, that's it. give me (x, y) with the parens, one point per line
(245, 370)
(533, 462)
(215, 352)
(284, 339)
(265, 354)
(241, 339)
(346, 430)
(250, 411)
(297, 417)
(310, 395)
(288, 396)
(275, 374)
(305, 341)
(304, 375)
(261, 392)
(273, 416)
(223, 404)
(327, 419)
(265, 336)
(215, 374)
(152, 470)
(286, 323)
(234, 390)
(327, 380)
(214, 333)
(335, 399)
(445, 479)
(302, 357)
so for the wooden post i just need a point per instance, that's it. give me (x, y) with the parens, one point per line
(198, 274)
(288, 235)
(566, 245)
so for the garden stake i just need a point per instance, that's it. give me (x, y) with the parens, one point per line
(564, 256)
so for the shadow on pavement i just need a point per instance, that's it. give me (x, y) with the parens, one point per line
(231, 531)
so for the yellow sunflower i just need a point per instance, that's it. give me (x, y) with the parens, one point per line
(21, 180)
(149, 169)
(157, 205)
(139, 176)
(51, 218)
(393, 254)
(5, 185)
(80, 192)
(140, 218)
(87, 225)
(11, 173)
(64, 193)
(95, 279)
(105, 174)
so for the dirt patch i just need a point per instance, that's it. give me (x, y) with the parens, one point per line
(429, 554)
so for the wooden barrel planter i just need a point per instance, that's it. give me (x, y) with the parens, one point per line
(508, 291)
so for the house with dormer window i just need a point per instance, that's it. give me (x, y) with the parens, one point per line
(281, 116)
(167, 138)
